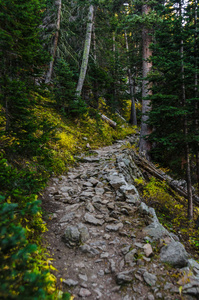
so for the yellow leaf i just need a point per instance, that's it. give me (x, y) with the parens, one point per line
(180, 290)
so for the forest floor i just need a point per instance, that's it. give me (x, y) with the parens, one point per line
(97, 241)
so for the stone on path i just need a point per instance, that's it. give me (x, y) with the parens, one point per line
(148, 250)
(116, 181)
(174, 254)
(70, 282)
(150, 278)
(124, 277)
(84, 292)
(92, 220)
(114, 227)
(72, 236)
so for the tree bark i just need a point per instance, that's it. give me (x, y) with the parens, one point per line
(56, 37)
(145, 145)
(196, 88)
(185, 121)
(133, 117)
(87, 45)
(109, 121)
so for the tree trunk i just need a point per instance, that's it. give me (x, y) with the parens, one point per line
(144, 145)
(95, 84)
(196, 90)
(187, 151)
(133, 117)
(109, 121)
(56, 37)
(87, 45)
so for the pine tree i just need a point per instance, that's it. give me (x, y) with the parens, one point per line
(22, 58)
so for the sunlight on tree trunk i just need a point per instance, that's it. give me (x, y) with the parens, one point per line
(86, 52)
(145, 146)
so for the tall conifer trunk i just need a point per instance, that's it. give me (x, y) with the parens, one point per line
(196, 88)
(56, 37)
(187, 150)
(133, 118)
(145, 145)
(87, 45)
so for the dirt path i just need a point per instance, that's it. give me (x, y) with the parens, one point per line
(96, 236)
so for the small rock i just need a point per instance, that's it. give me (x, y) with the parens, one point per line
(70, 282)
(90, 207)
(107, 236)
(89, 250)
(104, 255)
(148, 250)
(130, 256)
(85, 195)
(138, 276)
(116, 181)
(111, 205)
(98, 292)
(99, 191)
(100, 272)
(83, 277)
(84, 292)
(87, 183)
(112, 265)
(96, 199)
(138, 245)
(114, 227)
(126, 249)
(150, 297)
(72, 236)
(150, 278)
(93, 181)
(65, 189)
(124, 277)
(68, 217)
(92, 220)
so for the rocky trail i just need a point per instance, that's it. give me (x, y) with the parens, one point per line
(106, 242)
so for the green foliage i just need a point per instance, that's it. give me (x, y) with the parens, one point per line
(169, 107)
(64, 90)
(171, 209)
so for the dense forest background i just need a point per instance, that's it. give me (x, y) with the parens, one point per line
(65, 67)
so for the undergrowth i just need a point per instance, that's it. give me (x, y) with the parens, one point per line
(171, 210)
(26, 164)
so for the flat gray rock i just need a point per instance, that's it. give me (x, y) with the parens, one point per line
(92, 220)
(150, 278)
(174, 254)
(114, 227)
(86, 195)
(124, 277)
(67, 217)
(84, 292)
(90, 251)
(130, 256)
(70, 282)
(90, 159)
(117, 181)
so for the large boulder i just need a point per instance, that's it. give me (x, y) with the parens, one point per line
(174, 254)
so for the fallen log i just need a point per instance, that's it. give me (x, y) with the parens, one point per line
(107, 120)
(151, 169)
(118, 114)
